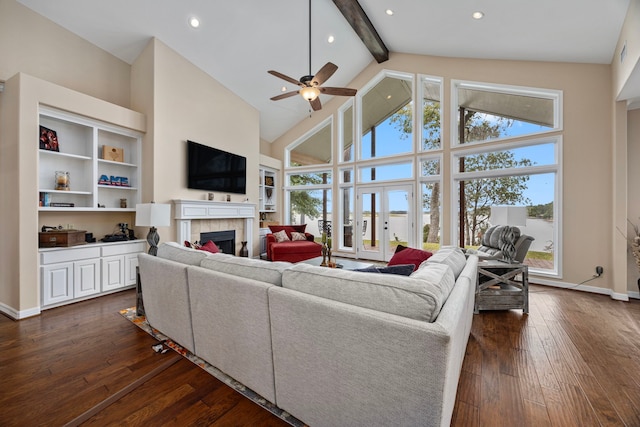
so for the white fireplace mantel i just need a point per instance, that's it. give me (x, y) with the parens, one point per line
(188, 210)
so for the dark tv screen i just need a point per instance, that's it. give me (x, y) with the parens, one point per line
(212, 169)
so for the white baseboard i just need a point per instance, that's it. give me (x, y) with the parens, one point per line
(586, 288)
(19, 314)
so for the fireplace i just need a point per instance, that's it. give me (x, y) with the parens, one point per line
(202, 212)
(225, 240)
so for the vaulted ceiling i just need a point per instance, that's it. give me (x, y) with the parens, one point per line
(237, 42)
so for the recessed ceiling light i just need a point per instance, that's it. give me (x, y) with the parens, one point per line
(478, 15)
(389, 12)
(284, 89)
(331, 39)
(194, 22)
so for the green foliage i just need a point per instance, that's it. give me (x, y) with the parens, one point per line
(541, 211)
(302, 202)
(425, 233)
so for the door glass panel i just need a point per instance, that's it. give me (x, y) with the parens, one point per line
(398, 222)
(369, 224)
(347, 237)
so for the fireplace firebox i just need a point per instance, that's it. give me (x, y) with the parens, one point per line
(225, 240)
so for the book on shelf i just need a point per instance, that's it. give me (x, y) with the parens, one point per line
(62, 205)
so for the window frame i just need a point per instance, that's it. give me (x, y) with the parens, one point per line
(456, 176)
(552, 94)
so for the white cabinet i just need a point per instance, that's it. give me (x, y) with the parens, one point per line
(57, 283)
(95, 181)
(267, 191)
(81, 272)
(112, 273)
(86, 277)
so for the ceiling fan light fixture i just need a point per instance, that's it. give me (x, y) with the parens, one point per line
(194, 22)
(309, 93)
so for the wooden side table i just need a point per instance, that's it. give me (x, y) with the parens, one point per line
(498, 286)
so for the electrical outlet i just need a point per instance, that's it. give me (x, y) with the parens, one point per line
(599, 271)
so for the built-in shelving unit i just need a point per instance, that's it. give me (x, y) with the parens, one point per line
(81, 141)
(267, 192)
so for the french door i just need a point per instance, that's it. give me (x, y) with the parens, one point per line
(384, 220)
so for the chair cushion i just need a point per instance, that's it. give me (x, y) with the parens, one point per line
(404, 255)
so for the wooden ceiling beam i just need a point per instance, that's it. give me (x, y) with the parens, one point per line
(359, 21)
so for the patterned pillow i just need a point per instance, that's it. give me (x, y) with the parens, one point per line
(281, 236)
(298, 236)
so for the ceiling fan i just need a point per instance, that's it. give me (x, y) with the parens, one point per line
(311, 85)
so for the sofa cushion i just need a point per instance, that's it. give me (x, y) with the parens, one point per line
(404, 255)
(400, 269)
(288, 229)
(439, 277)
(402, 296)
(256, 269)
(175, 252)
(451, 256)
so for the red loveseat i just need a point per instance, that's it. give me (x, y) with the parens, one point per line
(291, 250)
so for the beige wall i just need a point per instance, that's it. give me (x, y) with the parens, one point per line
(188, 104)
(32, 44)
(587, 152)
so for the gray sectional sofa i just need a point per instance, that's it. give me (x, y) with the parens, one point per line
(331, 347)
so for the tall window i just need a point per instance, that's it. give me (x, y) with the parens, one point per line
(386, 117)
(516, 165)
(308, 181)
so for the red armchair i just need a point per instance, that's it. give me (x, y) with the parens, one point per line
(291, 250)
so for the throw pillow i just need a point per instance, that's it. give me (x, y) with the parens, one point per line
(281, 236)
(404, 255)
(295, 236)
(401, 269)
(210, 247)
(288, 229)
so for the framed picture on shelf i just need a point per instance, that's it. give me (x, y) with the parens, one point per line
(268, 180)
(48, 139)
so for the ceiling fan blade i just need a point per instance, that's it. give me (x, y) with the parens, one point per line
(316, 104)
(324, 73)
(339, 91)
(286, 78)
(285, 95)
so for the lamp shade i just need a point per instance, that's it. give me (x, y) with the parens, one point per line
(509, 215)
(153, 214)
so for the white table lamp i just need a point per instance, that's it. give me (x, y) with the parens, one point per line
(153, 215)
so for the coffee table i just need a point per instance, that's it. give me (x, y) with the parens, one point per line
(346, 263)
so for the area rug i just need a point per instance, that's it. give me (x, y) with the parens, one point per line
(141, 322)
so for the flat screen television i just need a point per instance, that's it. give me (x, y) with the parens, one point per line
(212, 169)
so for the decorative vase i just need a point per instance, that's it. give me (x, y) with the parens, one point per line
(324, 255)
(244, 252)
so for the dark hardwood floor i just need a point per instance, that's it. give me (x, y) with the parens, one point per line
(573, 361)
